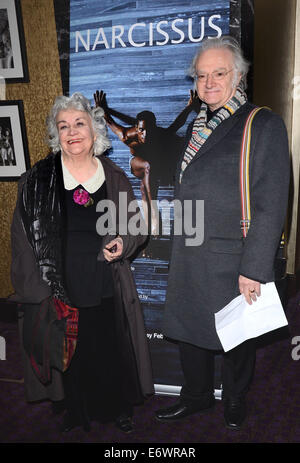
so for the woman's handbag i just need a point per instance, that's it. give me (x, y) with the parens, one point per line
(280, 259)
(50, 333)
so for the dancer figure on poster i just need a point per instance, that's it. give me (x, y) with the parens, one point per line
(149, 146)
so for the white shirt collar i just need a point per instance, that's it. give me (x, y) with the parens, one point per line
(91, 185)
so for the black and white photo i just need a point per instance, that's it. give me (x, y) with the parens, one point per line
(13, 62)
(14, 159)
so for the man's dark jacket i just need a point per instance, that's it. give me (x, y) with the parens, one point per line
(204, 278)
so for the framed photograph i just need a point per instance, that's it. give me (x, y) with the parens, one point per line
(14, 157)
(13, 60)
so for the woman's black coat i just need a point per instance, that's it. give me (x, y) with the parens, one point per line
(32, 277)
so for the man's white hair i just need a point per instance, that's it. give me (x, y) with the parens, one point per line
(241, 65)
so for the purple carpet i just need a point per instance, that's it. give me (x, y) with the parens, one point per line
(273, 403)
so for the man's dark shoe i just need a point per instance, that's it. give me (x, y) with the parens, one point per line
(235, 413)
(181, 410)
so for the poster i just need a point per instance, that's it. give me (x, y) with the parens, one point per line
(138, 54)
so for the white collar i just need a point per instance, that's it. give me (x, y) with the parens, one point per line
(91, 185)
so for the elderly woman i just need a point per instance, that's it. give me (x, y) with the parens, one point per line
(203, 279)
(58, 253)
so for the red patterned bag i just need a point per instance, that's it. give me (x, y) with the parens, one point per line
(50, 335)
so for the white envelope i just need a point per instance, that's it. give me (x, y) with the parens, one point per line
(239, 321)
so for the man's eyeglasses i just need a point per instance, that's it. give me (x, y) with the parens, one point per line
(216, 75)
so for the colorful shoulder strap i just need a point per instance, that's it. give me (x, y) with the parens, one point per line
(244, 173)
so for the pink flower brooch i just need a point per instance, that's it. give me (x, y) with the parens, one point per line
(82, 197)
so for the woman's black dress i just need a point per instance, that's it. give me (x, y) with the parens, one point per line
(101, 382)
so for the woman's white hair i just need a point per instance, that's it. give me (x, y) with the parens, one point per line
(81, 103)
(241, 65)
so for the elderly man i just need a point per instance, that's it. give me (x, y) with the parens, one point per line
(204, 278)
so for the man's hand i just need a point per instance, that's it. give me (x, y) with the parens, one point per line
(250, 288)
(114, 249)
(100, 100)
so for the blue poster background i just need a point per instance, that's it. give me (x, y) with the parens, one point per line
(138, 53)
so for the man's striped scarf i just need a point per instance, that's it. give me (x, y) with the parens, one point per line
(202, 129)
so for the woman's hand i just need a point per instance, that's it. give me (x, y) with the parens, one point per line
(250, 288)
(113, 250)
